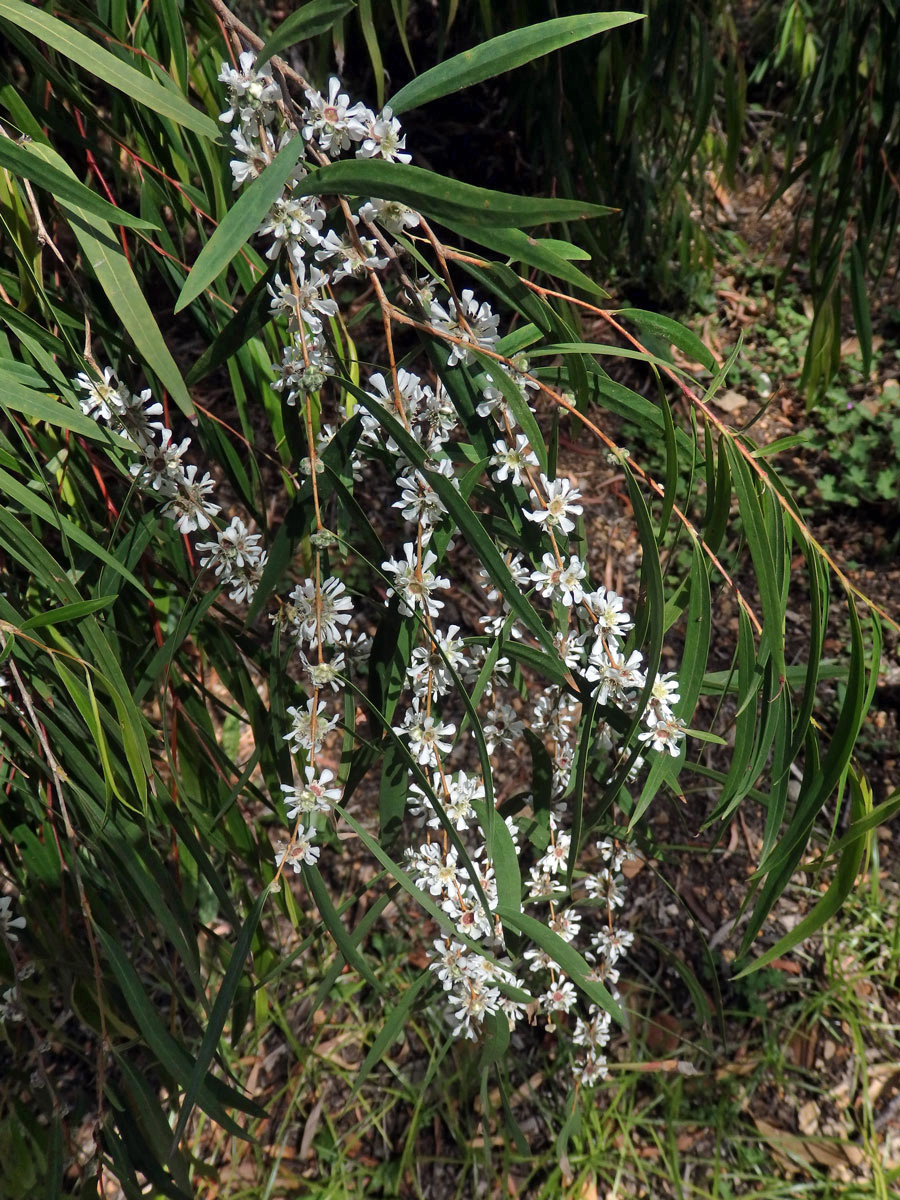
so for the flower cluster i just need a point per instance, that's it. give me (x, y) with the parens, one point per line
(10, 1008)
(462, 851)
(158, 468)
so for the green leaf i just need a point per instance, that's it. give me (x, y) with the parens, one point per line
(565, 955)
(519, 405)
(332, 921)
(839, 888)
(312, 18)
(212, 1094)
(115, 276)
(519, 247)
(440, 197)
(254, 313)
(68, 612)
(496, 1039)
(370, 37)
(108, 67)
(21, 161)
(762, 553)
(39, 407)
(862, 317)
(504, 53)
(41, 509)
(240, 222)
(672, 332)
(393, 1028)
(217, 1018)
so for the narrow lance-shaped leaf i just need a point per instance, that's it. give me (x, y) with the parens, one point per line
(218, 1017)
(107, 67)
(505, 53)
(520, 247)
(310, 19)
(566, 956)
(439, 197)
(114, 274)
(24, 163)
(240, 222)
(672, 332)
(393, 1028)
(839, 888)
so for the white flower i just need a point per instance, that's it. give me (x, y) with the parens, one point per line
(250, 93)
(616, 674)
(102, 399)
(235, 549)
(413, 584)
(559, 997)
(8, 922)
(439, 872)
(474, 1006)
(567, 924)
(356, 255)
(429, 664)
(537, 959)
(557, 854)
(471, 921)
(556, 510)
(552, 716)
(511, 462)
(293, 223)
(314, 617)
(308, 300)
(463, 790)
(245, 580)
(590, 1070)
(419, 502)
(473, 325)
(333, 122)
(112, 401)
(162, 469)
(300, 734)
(427, 735)
(447, 965)
(559, 505)
(437, 419)
(609, 610)
(612, 944)
(593, 1032)
(663, 694)
(313, 796)
(390, 214)
(132, 416)
(383, 138)
(664, 734)
(189, 508)
(325, 674)
(559, 582)
(305, 366)
(9, 1007)
(301, 850)
(502, 728)
(251, 159)
(607, 887)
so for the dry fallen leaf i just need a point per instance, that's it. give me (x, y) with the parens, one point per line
(729, 401)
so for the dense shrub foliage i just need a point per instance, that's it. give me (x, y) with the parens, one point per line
(295, 578)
